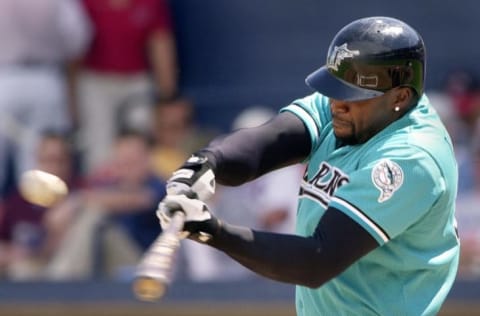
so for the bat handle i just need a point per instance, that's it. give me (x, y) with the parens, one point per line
(155, 271)
(176, 223)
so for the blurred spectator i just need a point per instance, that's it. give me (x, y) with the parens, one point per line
(132, 57)
(462, 86)
(175, 135)
(459, 108)
(26, 242)
(38, 40)
(462, 140)
(476, 146)
(268, 203)
(116, 218)
(468, 218)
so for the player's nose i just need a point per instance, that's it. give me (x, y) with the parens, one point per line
(339, 106)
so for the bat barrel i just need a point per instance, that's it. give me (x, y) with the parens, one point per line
(155, 270)
(148, 289)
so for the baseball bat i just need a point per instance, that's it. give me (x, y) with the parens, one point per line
(155, 270)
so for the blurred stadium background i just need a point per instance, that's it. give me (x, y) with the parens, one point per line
(237, 53)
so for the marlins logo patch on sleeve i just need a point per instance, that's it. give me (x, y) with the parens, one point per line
(387, 176)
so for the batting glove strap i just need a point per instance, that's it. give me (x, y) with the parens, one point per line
(203, 231)
(195, 175)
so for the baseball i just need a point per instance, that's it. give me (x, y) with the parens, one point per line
(42, 188)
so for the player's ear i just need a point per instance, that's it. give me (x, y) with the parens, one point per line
(402, 99)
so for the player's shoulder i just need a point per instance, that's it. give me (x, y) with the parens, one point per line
(419, 131)
(417, 150)
(414, 145)
(314, 103)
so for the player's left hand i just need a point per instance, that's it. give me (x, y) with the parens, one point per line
(194, 176)
(199, 224)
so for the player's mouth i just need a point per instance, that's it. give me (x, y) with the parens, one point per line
(339, 123)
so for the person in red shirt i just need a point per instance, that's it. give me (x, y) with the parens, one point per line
(133, 53)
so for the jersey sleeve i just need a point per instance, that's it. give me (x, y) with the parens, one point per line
(389, 194)
(314, 111)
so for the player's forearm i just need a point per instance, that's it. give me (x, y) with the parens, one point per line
(282, 258)
(309, 261)
(250, 153)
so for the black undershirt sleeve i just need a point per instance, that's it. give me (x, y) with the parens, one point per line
(249, 153)
(338, 242)
(311, 261)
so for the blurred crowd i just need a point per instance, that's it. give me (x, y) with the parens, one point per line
(458, 103)
(89, 91)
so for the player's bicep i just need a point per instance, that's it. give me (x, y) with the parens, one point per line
(251, 152)
(343, 240)
(336, 243)
(314, 111)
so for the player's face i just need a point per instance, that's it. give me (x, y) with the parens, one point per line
(357, 121)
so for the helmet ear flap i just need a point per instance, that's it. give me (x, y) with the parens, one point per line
(399, 75)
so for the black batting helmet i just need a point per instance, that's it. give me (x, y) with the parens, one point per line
(370, 56)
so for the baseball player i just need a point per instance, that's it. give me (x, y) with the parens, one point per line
(375, 231)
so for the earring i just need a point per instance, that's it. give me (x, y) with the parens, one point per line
(396, 109)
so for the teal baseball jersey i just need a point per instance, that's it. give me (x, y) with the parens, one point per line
(400, 186)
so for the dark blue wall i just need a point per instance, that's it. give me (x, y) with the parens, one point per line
(235, 53)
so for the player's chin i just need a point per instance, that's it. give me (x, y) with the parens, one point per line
(342, 131)
(345, 136)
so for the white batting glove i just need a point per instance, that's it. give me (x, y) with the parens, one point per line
(199, 222)
(196, 175)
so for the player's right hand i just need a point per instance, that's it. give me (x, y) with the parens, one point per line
(195, 175)
(199, 224)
